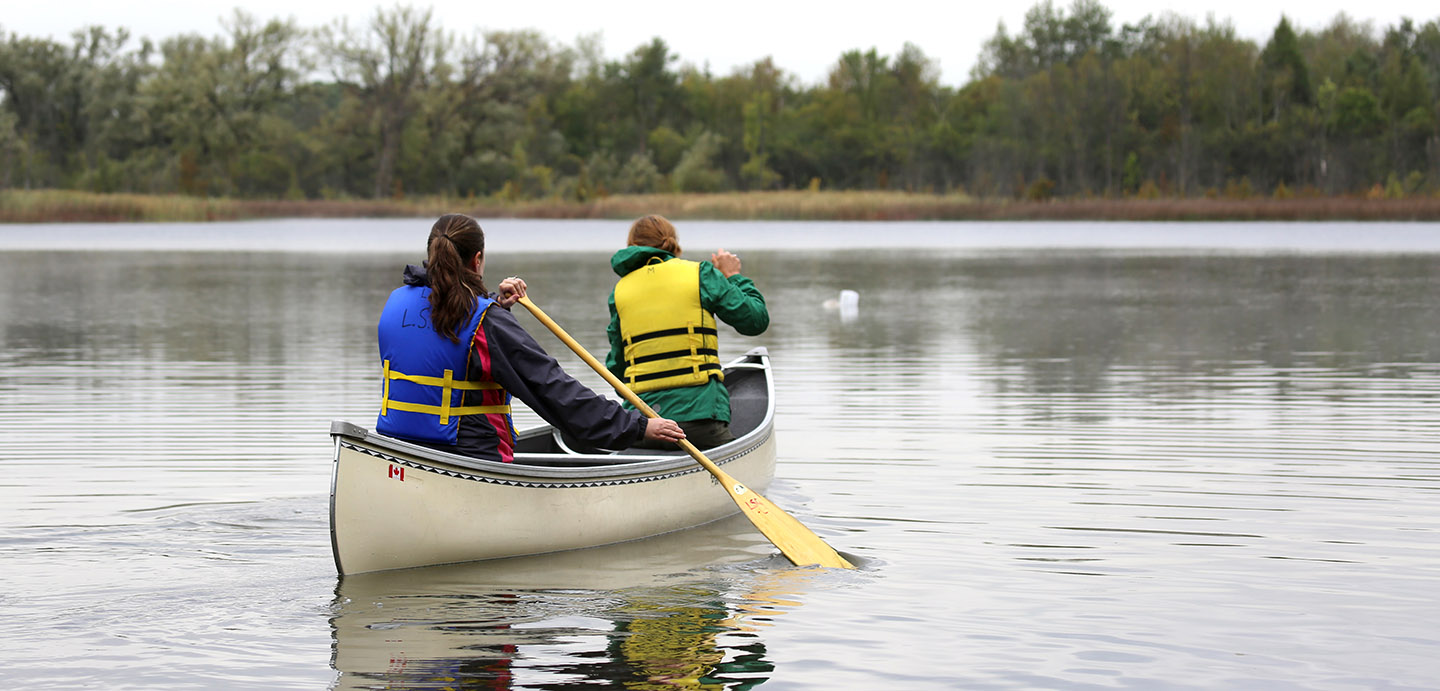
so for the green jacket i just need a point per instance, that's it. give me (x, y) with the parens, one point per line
(735, 301)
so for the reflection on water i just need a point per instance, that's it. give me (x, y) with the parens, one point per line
(655, 614)
(1174, 467)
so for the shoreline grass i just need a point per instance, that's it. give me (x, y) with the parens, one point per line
(65, 206)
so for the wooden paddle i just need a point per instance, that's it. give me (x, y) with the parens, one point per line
(798, 543)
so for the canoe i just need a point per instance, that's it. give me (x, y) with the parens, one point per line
(396, 505)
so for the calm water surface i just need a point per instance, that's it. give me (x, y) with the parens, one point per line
(1066, 456)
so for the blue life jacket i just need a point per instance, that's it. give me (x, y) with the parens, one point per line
(425, 373)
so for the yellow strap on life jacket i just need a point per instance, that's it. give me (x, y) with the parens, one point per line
(447, 384)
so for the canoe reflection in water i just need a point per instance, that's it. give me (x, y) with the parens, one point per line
(683, 610)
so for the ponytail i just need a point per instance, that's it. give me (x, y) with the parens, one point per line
(454, 240)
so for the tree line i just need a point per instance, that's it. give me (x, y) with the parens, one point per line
(1069, 105)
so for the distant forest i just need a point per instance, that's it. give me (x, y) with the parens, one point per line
(1069, 105)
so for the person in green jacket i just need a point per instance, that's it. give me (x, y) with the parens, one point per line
(663, 339)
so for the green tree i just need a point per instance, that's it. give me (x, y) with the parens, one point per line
(213, 107)
(1357, 113)
(75, 108)
(510, 88)
(12, 150)
(649, 87)
(696, 171)
(386, 67)
(1286, 77)
(1405, 98)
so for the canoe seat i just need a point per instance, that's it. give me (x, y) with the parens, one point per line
(570, 444)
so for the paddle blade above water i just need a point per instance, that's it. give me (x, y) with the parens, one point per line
(798, 543)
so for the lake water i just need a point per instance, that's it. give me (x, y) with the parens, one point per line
(1085, 455)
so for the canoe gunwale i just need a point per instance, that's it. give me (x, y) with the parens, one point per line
(558, 478)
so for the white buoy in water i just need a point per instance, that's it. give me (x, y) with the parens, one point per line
(848, 304)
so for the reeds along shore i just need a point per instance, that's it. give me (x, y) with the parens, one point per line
(60, 206)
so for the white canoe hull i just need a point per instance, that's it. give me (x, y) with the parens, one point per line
(398, 505)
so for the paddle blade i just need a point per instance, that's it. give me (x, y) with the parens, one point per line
(799, 544)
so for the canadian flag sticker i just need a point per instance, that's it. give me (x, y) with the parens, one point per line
(397, 472)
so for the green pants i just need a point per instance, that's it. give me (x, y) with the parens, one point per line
(703, 434)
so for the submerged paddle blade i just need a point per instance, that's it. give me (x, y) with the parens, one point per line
(799, 544)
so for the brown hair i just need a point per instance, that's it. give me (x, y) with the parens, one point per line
(454, 240)
(654, 231)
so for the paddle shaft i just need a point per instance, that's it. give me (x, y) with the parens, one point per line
(796, 542)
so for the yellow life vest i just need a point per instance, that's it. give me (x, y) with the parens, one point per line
(670, 340)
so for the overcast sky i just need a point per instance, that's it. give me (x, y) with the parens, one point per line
(804, 38)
